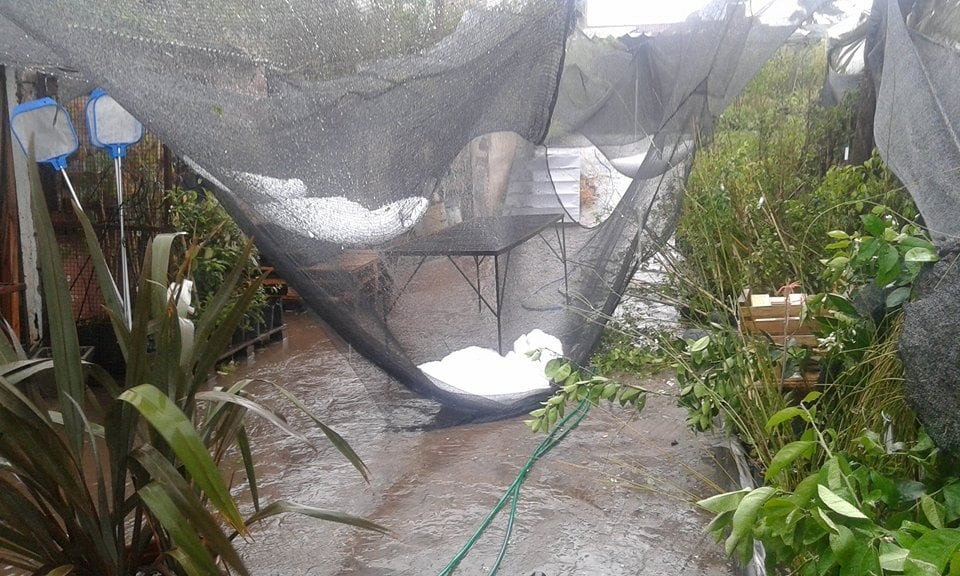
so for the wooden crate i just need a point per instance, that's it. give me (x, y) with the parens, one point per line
(779, 317)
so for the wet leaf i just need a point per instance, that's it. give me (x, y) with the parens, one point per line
(898, 297)
(182, 437)
(786, 415)
(628, 395)
(873, 224)
(726, 502)
(195, 558)
(609, 391)
(256, 408)
(787, 455)
(283, 506)
(180, 494)
(867, 250)
(838, 263)
(932, 511)
(892, 557)
(700, 344)
(745, 516)
(931, 552)
(338, 441)
(920, 254)
(838, 504)
(951, 501)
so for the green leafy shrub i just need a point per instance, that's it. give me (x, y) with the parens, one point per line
(850, 515)
(219, 248)
(573, 386)
(760, 199)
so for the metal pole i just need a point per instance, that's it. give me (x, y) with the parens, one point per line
(73, 193)
(124, 270)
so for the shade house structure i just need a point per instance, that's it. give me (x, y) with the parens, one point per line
(415, 170)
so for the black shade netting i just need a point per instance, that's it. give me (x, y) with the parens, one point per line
(419, 171)
(912, 54)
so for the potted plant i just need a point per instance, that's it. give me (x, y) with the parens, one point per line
(220, 249)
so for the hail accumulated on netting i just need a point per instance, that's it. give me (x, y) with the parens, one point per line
(332, 219)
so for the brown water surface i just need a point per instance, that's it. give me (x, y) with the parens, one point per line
(613, 498)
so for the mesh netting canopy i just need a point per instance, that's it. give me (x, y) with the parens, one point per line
(417, 171)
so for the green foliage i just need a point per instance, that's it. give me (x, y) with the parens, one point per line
(739, 379)
(837, 203)
(762, 210)
(849, 516)
(128, 479)
(840, 498)
(885, 254)
(733, 231)
(220, 246)
(572, 387)
(622, 351)
(760, 199)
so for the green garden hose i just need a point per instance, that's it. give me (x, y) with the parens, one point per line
(559, 432)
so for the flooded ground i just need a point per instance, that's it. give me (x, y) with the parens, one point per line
(613, 498)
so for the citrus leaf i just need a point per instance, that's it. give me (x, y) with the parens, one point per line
(931, 552)
(726, 502)
(786, 415)
(787, 455)
(700, 344)
(838, 504)
(898, 297)
(920, 254)
(873, 224)
(745, 516)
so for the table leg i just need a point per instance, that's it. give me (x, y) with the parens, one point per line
(563, 257)
(476, 263)
(496, 281)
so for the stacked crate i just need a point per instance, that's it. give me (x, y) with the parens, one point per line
(780, 319)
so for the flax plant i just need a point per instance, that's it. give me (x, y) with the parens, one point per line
(131, 484)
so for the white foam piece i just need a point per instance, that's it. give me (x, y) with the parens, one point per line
(484, 372)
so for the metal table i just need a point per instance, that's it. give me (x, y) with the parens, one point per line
(479, 238)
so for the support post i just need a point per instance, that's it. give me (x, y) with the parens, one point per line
(28, 243)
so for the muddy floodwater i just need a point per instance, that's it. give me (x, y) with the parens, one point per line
(613, 498)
